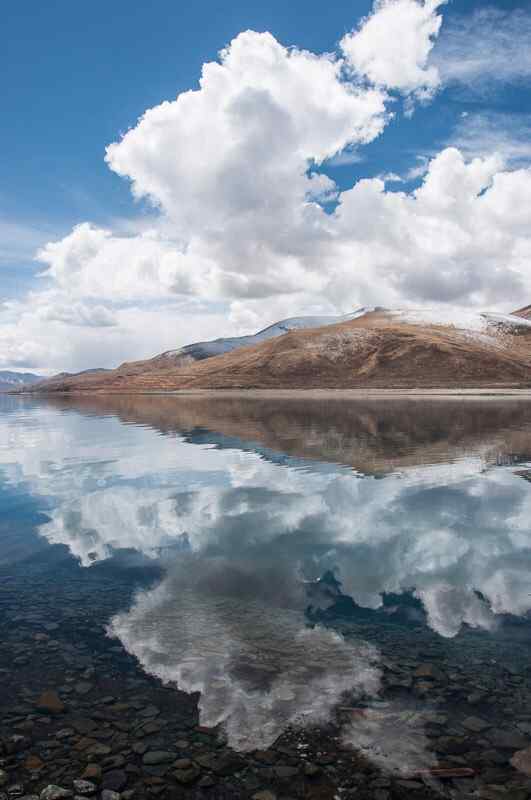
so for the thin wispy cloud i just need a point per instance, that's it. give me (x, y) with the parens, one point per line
(509, 134)
(486, 49)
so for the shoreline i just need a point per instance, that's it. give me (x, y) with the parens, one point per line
(328, 393)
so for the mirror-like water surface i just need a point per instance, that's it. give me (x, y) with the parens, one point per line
(316, 598)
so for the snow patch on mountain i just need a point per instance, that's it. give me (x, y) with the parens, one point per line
(462, 319)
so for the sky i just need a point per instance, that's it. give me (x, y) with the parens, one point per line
(176, 173)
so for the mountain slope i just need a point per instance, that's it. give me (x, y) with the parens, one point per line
(217, 347)
(379, 349)
(198, 351)
(524, 312)
(15, 380)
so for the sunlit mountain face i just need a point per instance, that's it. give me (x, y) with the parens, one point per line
(308, 553)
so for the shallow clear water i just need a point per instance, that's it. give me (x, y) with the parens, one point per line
(299, 563)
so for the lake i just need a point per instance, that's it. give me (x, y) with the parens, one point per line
(265, 598)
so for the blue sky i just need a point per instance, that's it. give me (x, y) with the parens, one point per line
(75, 80)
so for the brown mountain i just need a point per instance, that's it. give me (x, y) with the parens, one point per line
(379, 349)
(524, 312)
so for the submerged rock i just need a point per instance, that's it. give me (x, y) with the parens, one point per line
(186, 776)
(507, 740)
(84, 787)
(475, 724)
(154, 757)
(53, 792)
(92, 772)
(115, 780)
(521, 761)
(50, 702)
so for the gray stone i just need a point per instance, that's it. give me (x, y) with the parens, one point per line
(115, 780)
(83, 687)
(182, 744)
(183, 763)
(107, 794)
(525, 727)
(154, 757)
(99, 750)
(84, 726)
(206, 782)
(228, 763)
(507, 740)
(83, 787)
(186, 776)
(4, 777)
(475, 724)
(149, 712)
(284, 772)
(53, 792)
(411, 785)
(452, 745)
(92, 772)
(494, 757)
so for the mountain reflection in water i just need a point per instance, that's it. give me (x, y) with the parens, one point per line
(271, 518)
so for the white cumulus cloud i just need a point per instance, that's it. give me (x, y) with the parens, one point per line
(392, 46)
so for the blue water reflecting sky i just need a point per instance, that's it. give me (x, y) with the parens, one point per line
(244, 530)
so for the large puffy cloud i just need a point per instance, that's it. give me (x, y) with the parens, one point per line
(257, 119)
(229, 164)
(92, 262)
(460, 237)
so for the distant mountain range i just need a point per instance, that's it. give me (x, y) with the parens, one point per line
(371, 347)
(15, 380)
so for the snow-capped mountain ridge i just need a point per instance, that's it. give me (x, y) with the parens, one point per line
(215, 347)
(370, 347)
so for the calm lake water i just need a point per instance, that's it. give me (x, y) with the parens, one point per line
(350, 579)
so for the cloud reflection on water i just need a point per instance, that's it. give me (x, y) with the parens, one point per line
(237, 634)
(239, 529)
